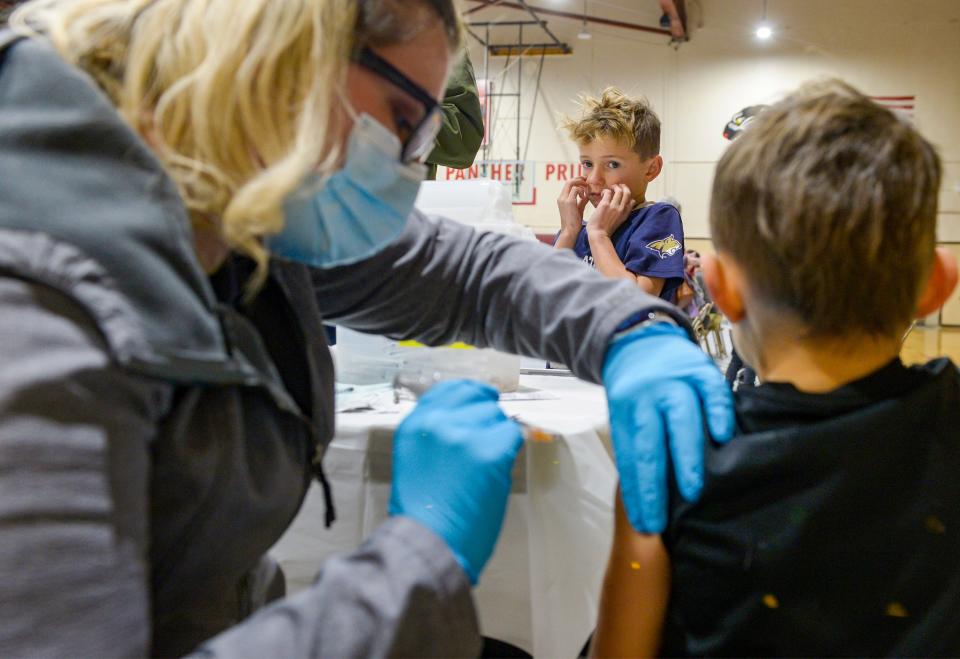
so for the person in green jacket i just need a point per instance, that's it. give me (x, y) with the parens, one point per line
(460, 136)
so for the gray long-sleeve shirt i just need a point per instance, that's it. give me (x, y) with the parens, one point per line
(74, 568)
(155, 442)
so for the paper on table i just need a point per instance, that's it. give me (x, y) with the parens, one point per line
(529, 394)
(363, 398)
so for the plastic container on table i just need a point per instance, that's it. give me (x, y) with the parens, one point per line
(367, 359)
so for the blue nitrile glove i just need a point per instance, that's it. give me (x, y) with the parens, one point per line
(657, 381)
(452, 458)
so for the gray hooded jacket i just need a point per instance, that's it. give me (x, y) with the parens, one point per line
(157, 436)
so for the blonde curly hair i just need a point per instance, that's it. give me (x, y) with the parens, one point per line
(630, 121)
(236, 98)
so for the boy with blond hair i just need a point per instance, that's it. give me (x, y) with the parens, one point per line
(627, 236)
(831, 524)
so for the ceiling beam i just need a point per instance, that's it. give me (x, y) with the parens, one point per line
(566, 14)
(529, 50)
(483, 5)
(543, 23)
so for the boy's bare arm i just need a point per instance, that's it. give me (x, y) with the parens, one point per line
(565, 240)
(610, 214)
(607, 262)
(636, 589)
(573, 199)
(651, 285)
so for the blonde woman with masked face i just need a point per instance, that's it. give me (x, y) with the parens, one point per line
(186, 188)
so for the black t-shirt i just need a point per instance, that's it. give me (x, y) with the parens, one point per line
(829, 526)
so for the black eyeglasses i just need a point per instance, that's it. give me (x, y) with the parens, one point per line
(419, 142)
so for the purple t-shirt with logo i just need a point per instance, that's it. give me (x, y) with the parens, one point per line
(650, 243)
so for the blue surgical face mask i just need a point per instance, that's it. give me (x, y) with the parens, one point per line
(356, 211)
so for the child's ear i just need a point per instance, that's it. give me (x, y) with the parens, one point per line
(654, 167)
(940, 284)
(723, 281)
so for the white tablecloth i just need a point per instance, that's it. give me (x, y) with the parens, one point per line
(541, 587)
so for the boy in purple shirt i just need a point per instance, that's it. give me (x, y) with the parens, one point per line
(626, 236)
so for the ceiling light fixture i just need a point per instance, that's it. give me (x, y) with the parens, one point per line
(584, 34)
(764, 31)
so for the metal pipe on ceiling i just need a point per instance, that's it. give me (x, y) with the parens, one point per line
(483, 5)
(566, 14)
(543, 24)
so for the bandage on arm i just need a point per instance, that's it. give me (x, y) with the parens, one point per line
(636, 589)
